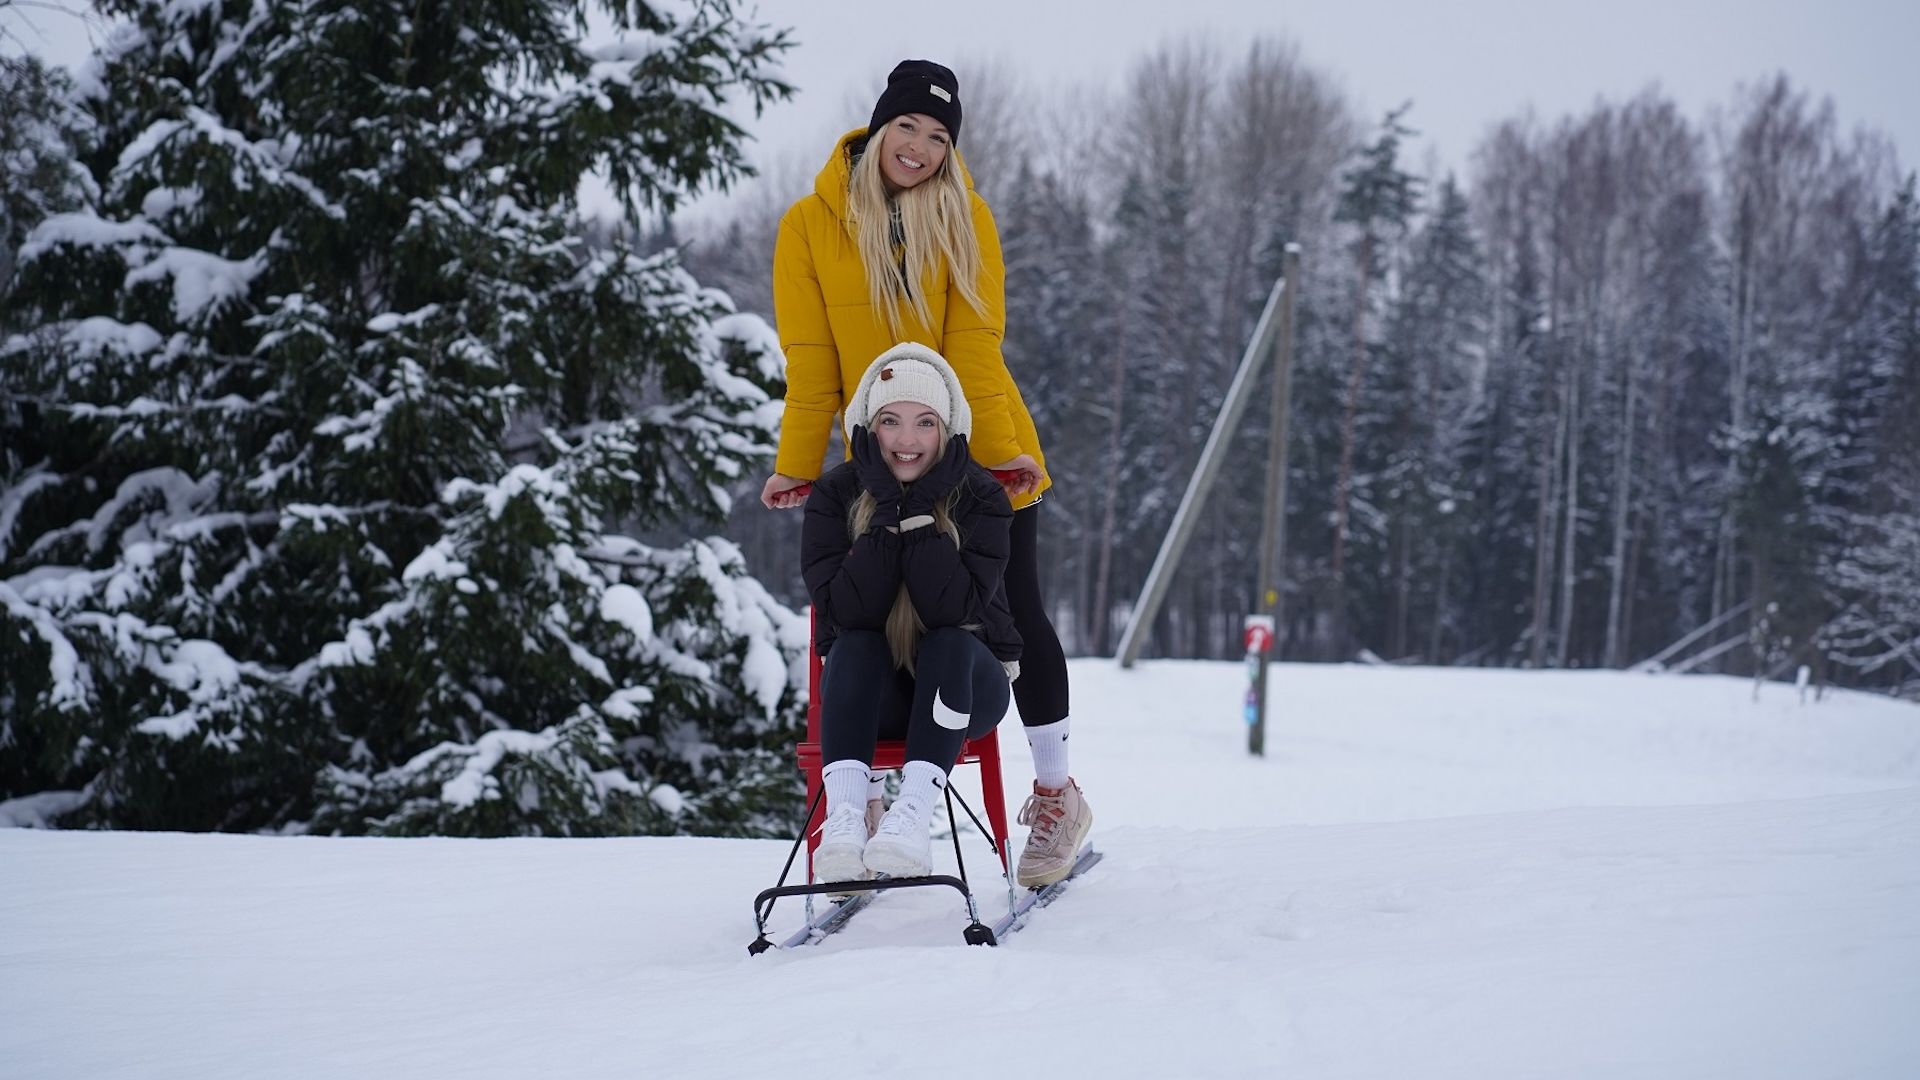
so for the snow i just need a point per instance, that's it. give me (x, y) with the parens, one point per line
(134, 157)
(544, 485)
(15, 496)
(362, 432)
(355, 649)
(179, 492)
(435, 562)
(624, 704)
(757, 336)
(476, 777)
(668, 798)
(623, 604)
(162, 201)
(68, 678)
(616, 61)
(1434, 873)
(388, 322)
(35, 811)
(86, 229)
(204, 672)
(744, 608)
(102, 334)
(203, 283)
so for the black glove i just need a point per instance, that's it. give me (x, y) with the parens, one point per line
(878, 480)
(938, 481)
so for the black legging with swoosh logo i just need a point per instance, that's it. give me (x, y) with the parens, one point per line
(865, 698)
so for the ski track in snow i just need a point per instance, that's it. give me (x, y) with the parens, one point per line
(1433, 873)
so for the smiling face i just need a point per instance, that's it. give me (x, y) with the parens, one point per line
(912, 148)
(910, 438)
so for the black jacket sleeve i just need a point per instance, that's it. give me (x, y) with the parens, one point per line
(852, 586)
(953, 586)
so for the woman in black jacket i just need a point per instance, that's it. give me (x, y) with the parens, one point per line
(903, 550)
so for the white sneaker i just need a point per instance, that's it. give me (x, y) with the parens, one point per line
(903, 844)
(876, 809)
(843, 837)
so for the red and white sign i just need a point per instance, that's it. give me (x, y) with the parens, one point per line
(1258, 634)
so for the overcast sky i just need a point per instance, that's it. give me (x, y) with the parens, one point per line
(1463, 63)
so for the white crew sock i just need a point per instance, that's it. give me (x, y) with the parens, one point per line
(922, 780)
(1049, 745)
(876, 784)
(846, 784)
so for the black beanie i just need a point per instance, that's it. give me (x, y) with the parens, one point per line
(919, 86)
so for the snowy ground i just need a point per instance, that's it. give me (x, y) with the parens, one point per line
(1434, 874)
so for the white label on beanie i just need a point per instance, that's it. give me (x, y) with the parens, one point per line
(941, 93)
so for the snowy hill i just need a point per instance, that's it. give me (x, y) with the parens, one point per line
(1434, 874)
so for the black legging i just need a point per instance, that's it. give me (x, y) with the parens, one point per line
(864, 698)
(1041, 689)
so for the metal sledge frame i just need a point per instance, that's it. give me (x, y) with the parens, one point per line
(891, 754)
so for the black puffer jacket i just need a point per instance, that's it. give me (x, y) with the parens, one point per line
(853, 584)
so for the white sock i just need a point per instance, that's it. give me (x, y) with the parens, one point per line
(922, 780)
(876, 785)
(846, 784)
(1049, 744)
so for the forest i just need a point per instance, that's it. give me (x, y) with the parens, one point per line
(354, 480)
(1629, 376)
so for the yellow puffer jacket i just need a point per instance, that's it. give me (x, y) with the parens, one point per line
(831, 334)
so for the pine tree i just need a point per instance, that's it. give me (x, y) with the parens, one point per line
(1436, 330)
(1066, 377)
(1377, 198)
(1689, 353)
(345, 419)
(38, 174)
(1874, 578)
(44, 134)
(1497, 462)
(1143, 448)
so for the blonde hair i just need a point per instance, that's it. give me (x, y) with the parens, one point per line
(903, 236)
(904, 626)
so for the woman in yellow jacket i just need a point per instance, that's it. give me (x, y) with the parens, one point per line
(894, 245)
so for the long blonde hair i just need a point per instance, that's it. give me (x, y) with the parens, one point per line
(902, 237)
(904, 627)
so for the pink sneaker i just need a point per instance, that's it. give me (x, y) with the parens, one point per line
(1058, 822)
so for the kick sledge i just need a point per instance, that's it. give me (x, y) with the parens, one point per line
(857, 895)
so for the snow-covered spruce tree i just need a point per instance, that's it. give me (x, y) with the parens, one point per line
(1069, 379)
(345, 418)
(38, 174)
(1379, 199)
(1874, 580)
(39, 177)
(1435, 334)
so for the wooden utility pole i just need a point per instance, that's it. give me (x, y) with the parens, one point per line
(1200, 485)
(1273, 522)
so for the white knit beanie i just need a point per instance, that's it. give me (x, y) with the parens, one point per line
(911, 372)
